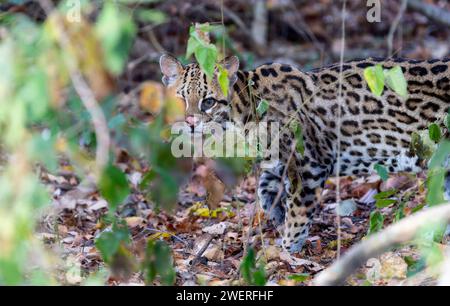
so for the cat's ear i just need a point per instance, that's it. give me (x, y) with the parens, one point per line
(171, 69)
(231, 63)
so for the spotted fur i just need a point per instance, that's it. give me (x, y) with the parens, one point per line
(373, 130)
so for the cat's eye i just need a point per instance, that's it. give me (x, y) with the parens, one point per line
(207, 104)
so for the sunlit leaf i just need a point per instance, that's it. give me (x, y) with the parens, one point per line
(375, 79)
(223, 80)
(152, 96)
(175, 107)
(206, 56)
(396, 81)
(300, 278)
(199, 45)
(159, 235)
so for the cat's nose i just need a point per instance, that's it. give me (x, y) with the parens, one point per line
(192, 121)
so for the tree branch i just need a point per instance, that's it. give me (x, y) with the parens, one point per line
(259, 24)
(396, 234)
(87, 97)
(431, 11)
(394, 26)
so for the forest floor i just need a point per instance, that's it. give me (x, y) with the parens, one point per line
(208, 245)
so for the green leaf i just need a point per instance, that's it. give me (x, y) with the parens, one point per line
(158, 261)
(41, 148)
(206, 57)
(435, 183)
(385, 194)
(108, 242)
(434, 132)
(381, 171)
(418, 208)
(259, 276)
(414, 266)
(164, 189)
(147, 179)
(252, 274)
(375, 79)
(400, 212)
(116, 30)
(440, 155)
(384, 203)
(113, 186)
(247, 264)
(296, 128)
(205, 52)
(447, 120)
(383, 198)
(193, 44)
(155, 17)
(376, 221)
(224, 82)
(427, 236)
(396, 81)
(301, 277)
(35, 93)
(262, 108)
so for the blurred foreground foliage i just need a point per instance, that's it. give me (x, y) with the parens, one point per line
(43, 121)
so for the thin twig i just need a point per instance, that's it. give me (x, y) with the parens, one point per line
(302, 28)
(433, 12)
(396, 234)
(259, 24)
(223, 29)
(86, 95)
(338, 162)
(394, 25)
(158, 47)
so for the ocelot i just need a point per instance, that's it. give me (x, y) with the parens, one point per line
(362, 130)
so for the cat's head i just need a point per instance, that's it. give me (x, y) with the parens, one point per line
(203, 97)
